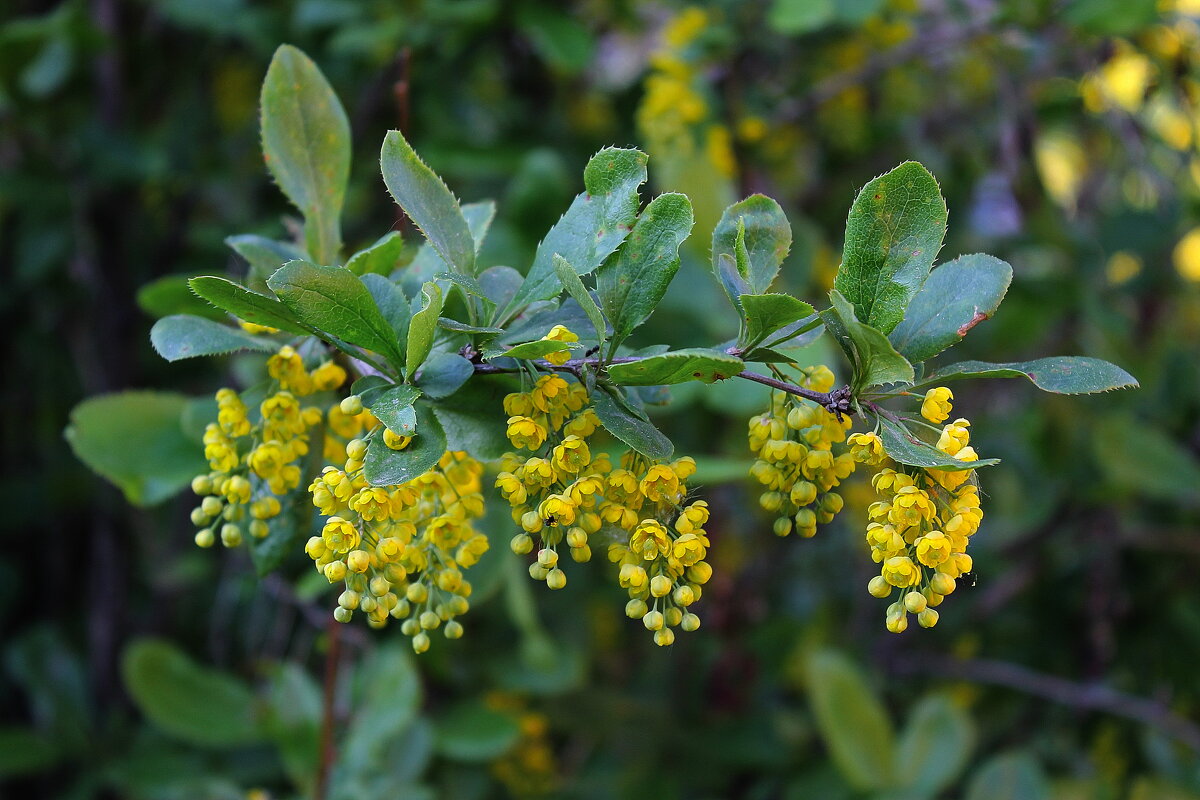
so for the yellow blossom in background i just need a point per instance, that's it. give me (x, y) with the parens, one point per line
(1061, 165)
(1121, 82)
(718, 147)
(1187, 255)
(1172, 124)
(1122, 267)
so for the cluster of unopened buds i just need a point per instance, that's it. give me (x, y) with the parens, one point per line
(797, 463)
(255, 455)
(919, 532)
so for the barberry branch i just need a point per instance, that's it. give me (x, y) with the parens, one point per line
(839, 401)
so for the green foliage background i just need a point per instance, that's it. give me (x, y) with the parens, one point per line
(137, 666)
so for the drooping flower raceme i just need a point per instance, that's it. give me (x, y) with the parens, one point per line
(256, 454)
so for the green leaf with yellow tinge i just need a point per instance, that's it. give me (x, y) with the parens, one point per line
(893, 234)
(423, 328)
(306, 143)
(677, 366)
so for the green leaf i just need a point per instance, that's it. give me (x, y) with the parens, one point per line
(852, 721)
(136, 440)
(428, 203)
(171, 294)
(1111, 17)
(466, 283)
(447, 324)
(794, 17)
(531, 351)
(956, 297)
(443, 374)
(263, 255)
(500, 284)
(768, 238)
(732, 282)
(473, 732)
(393, 407)
(570, 281)
(200, 706)
(247, 305)
(473, 417)
(591, 229)
(1139, 457)
(390, 698)
(632, 282)
(423, 327)
(384, 466)
(306, 143)
(893, 235)
(183, 336)
(764, 314)
(901, 445)
(24, 751)
(392, 303)
(336, 301)
(479, 218)
(380, 258)
(1058, 374)
(677, 366)
(875, 361)
(635, 431)
(293, 721)
(934, 747)
(1016, 774)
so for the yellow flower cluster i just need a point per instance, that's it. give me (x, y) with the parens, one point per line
(564, 493)
(400, 550)
(673, 115)
(919, 532)
(554, 496)
(796, 463)
(662, 562)
(254, 461)
(529, 768)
